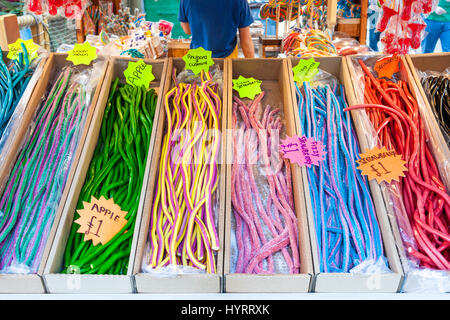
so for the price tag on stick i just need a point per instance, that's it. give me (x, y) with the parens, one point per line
(139, 74)
(305, 70)
(100, 220)
(82, 54)
(382, 165)
(247, 87)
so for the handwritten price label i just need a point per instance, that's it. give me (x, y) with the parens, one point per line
(139, 74)
(198, 60)
(387, 66)
(247, 87)
(305, 70)
(382, 165)
(82, 54)
(100, 220)
(302, 150)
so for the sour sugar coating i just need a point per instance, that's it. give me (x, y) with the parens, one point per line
(344, 215)
(265, 224)
(183, 229)
(421, 202)
(116, 171)
(36, 183)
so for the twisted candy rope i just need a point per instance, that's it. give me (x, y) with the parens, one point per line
(36, 183)
(116, 171)
(344, 215)
(182, 227)
(262, 229)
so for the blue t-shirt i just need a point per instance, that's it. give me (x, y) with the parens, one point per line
(214, 23)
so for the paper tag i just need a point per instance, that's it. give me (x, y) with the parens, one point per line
(198, 59)
(305, 70)
(382, 165)
(247, 87)
(15, 48)
(100, 220)
(387, 66)
(82, 54)
(302, 150)
(139, 74)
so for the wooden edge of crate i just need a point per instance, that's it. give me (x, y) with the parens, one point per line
(142, 279)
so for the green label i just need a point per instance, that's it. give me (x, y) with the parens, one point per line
(247, 87)
(305, 70)
(139, 74)
(198, 60)
(82, 54)
(15, 49)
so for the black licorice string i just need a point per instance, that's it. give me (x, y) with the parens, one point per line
(36, 183)
(116, 171)
(437, 89)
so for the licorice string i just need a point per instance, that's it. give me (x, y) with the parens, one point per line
(14, 79)
(437, 89)
(183, 229)
(116, 171)
(38, 178)
(420, 200)
(265, 229)
(346, 226)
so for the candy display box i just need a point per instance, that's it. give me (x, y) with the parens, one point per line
(179, 282)
(333, 282)
(413, 280)
(57, 282)
(32, 283)
(275, 84)
(410, 65)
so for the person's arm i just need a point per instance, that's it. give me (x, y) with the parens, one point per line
(186, 27)
(246, 42)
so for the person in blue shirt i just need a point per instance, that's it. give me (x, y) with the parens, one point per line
(214, 25)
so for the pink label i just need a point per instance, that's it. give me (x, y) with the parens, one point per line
(302, 150)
